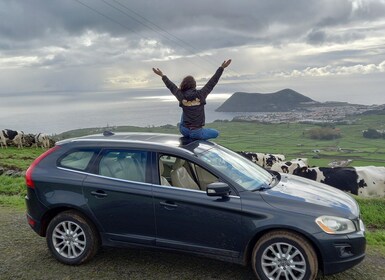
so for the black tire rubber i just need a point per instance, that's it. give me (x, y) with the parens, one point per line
(291, 238)
(92, 242)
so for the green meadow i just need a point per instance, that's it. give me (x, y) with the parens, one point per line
(289, 139)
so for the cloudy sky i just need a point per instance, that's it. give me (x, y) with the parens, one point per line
(324, 49)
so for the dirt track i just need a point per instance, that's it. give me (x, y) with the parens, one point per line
(24, 255)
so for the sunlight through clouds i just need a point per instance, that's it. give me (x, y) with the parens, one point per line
(17, 62)
(335, 70)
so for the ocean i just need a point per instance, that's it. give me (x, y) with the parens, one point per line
(57, 113)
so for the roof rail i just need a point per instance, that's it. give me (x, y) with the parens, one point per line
(108, 133)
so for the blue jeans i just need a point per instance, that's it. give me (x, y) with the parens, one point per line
(201, 133)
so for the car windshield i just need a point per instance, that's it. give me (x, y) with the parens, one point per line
(241, 170)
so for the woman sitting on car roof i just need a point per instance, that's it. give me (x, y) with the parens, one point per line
(192, 102)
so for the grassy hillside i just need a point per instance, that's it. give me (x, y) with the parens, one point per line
(288, 139)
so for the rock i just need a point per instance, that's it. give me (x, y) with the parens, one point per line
(11, 172)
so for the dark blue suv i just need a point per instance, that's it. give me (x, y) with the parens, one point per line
(167, 192)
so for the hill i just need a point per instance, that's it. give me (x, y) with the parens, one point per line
(280, 101)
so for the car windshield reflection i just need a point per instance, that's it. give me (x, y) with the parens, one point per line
(239, 169)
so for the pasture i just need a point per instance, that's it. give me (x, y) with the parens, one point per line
(288, 139)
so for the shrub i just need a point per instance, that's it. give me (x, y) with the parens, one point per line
(372, 133)
(324, 133)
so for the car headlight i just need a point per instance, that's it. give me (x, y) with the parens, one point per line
(335, 225)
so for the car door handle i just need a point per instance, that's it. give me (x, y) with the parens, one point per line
(169, 205)
(99, 194)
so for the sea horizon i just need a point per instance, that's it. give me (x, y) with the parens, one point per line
(59, 112)
(144, 109)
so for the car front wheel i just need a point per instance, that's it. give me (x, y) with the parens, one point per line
(284, 255)
(71, 238)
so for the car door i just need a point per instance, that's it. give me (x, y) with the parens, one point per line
(119, 196)
(190, 220)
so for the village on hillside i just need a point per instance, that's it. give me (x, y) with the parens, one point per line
(329, 113)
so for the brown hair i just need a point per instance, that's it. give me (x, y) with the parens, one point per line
(188, 83)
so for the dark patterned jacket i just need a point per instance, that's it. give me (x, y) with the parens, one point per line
(193, 101)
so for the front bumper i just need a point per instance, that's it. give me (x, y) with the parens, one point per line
(340, 253)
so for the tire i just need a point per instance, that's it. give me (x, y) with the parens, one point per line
(71, 238)
(284, 255)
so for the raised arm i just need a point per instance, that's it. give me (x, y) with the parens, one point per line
(214, 79)
(170, 85)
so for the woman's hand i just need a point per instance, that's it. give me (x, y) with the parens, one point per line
(157, 71)
(226, 63)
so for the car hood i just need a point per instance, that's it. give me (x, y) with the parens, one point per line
(310, 197)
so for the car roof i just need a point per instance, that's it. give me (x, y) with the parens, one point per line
(157, 139)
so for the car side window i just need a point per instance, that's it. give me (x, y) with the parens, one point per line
(78, 159)
(181, 173)
(124, 164)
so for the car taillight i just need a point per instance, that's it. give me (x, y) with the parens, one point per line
(31, 221)
(28, 175)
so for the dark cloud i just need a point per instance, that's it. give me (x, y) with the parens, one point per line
(316, 37)
(79, 44)
(319, 37)
(199, 23)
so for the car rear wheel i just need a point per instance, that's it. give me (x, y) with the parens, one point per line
(71, 238)
(284, 255)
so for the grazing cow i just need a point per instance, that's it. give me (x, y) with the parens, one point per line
(363, 181)
(257, 158)
(290, 166)
(42, 140)
(264, 160)
(13, 135)
(270, 159)
(372, 179)
(301, 161)
(3, 140)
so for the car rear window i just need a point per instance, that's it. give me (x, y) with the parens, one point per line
(78, 160)
(124, 164)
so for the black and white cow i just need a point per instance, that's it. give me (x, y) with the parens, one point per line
(290, 166)
(13, 135)
(264, 160)
(42, 140)
(270, 159)
(3, 140)
(365, 181)
(372, 179)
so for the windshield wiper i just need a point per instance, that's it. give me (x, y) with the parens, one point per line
(265, 187)
(262, 188)
(273, 179)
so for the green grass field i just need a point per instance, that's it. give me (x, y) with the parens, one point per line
(287, 139)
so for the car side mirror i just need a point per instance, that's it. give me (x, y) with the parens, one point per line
(218, 189)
